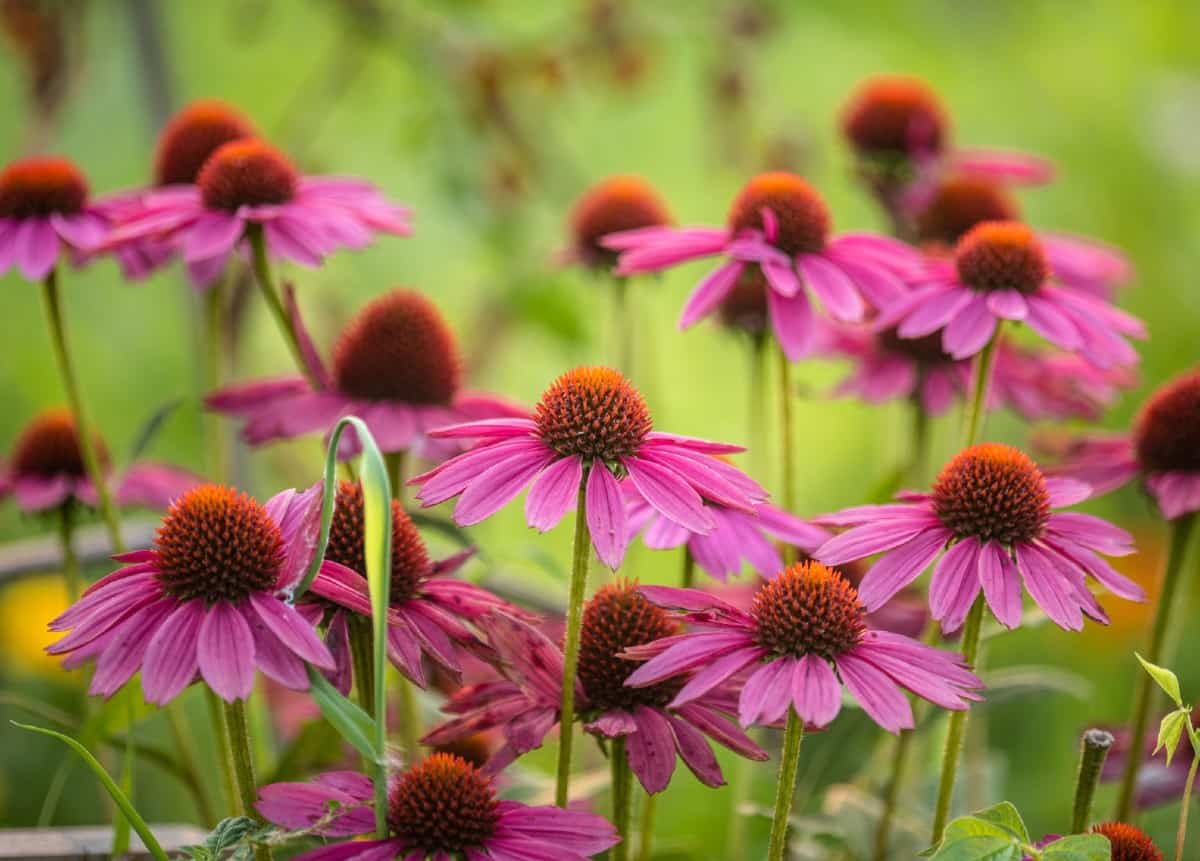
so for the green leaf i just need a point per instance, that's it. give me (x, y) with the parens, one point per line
(1006, 816)
(118, 797)
(228, 834)
(974, 826)
(980, 847)
(1079, 847)
(352, 723)
(1169, 732)
(1165, 679)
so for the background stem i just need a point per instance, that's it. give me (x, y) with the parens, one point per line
(622, 797)
(787, 455)
(266, 285)
(581, 557)
(1095, 745)
(243, 767)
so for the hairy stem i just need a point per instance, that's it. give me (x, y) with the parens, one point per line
(270, 294)
(580, 560)
(622, 797)
(243, 767)
(789, 762)
(1094, 750)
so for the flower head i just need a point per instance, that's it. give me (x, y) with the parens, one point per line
(208, 600)
(613, 205)
(429, 615)
(525, 704)
(1002, 270)
(780, 226)
(959, 203)
(994, 509)
(46, 470)
(246, 185)
(589, 428)
(804, 635)
(396, 366)
(895, 117)
(44, 209)
(192, 135)
(441, 807)
(1160, 450)
(1126, 842)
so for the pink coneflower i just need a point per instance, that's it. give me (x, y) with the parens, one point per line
(44, 210)
(1160, 451)
(247, 184)
(396, 366)
(1036, 383)
(992, 507)
(1001, 271)
(440, 808)
(525, 705)
(590, 424)
(207, 601)
(780, 225)
(1126, 842)
(613, 205)
(897, 123)
(46, 470)
(804, 637)
(430, 615)
(738, 537)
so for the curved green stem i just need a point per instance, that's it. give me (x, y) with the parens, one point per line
(1185, 803)
(1145, 691)
(52, 302)
(243, 767)
(977, 409)
(787, 452)
(266, 285)
(956, 732)
(622, 797)
(580, 561)
(789, 762)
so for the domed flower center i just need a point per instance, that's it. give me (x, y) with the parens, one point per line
(218, 545)
(616, 204)
(1001, 255)
(926, 350)
(1167, 431)
(49, 447)
(1128, 842)
(592, 412)
(474, 748)
(410, 559)
(801, 218)
(193, 135)
(960, 203)
(808, 609)
(893, 117)
(398, 348)
(992, 492)
(745, 306)
(41, 186)
(616, 618)
(246, 173)
(443, 805)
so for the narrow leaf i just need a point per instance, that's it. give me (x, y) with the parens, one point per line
(1165, 679)
(1169, 732)
(119, 798)
(352, 723)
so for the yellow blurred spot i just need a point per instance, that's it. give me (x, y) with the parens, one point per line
(26, 607)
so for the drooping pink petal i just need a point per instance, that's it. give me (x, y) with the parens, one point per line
(792, 322)
(170, 662)
(213, 234)
(225, 652)
(606, 515)
(832, 286)
(124, 652)
(816, 694)
(883, 533)
(670, 495)
(692, 651)
(292, 630)
(709, 293)
(950, 582)
(1001, 584)
(714, 674)
(695, 752)
(553, 493)
(880, 697)
(767, 693)
(1008, 304)
(1048, 587)
(491, 490)
(900, 567)
(35, 247)
(651, 750)
(933, 313)
(970, 330)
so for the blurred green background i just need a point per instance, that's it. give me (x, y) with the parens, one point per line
(489, 119)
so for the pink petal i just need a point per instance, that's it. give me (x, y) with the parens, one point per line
(170, 662)
(651, 750)
(816, 694)
(498, 485)
(1001, 584)
(225, 652)
(710, 293)
(606, 515)
(35, 247)
(765, 696)
(292, 630)
(670, 495)
(792, 322)
(695, 752)
(970, 329)
(880, 697)
(553, 493)
(899, 568)
(832, 286)
(213, 235)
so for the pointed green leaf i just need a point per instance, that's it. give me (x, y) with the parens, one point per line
(119, 798)
(1169, 732)
(1079, 847)
(981, 847)
(352, 723)
(1006, 816)
(1165, 679)
(975, 826)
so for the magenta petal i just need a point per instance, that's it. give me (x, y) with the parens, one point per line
(225, 652)
(900, 567)
(126, 649)
(880, 697)
(670, 495)
(292, 630)
(553, 493)
(605, 510)
(1052, 324)
(792, 322)
(970, 330)
(816, 694)
(1001, 584)
(833, 287)
(490, 491)
(275, 659)
(695, 752)
(651, 750)
(781, 276)
(933, 313)
(1049, 588)
(879, 531)
(953, 592)
(213, 235)
(714, 674)
(36, 247)
(765, 696)
(709, 293)
(170, 662)
(1009, 304)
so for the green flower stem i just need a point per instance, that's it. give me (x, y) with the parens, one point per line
(580, 560)
(1094, 750)
(623, 322)
(756, 426)
(181, 738)
(214, 429)
(221, 741)
(919, 456)
(243, 767)
(891, 795)
(787, 454)
(266, 285)
(956, 732)
(977, 410)
(688, 578)
(1185, 804)
(1145, 692)
(622, 797)
(646, 837)
(789, 761)
(52, 302)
